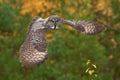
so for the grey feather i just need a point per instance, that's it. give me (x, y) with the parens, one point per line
(86, 27)
(33, 51)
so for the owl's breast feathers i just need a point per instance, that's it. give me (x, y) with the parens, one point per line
(33, 51)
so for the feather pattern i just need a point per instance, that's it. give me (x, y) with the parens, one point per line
(86, 27)
(33, 51)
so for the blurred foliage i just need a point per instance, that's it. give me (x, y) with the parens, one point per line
(69, 50)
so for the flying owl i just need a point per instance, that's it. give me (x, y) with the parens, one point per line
(33, 51)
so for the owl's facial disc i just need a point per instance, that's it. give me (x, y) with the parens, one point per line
(54, 22)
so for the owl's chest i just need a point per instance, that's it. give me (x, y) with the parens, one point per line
(37, 37)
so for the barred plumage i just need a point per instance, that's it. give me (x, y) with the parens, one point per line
(86, 27)
(34, 49)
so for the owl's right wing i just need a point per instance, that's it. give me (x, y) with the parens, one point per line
(34, 49)
(86, 27)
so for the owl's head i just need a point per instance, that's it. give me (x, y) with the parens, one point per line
(53, 22)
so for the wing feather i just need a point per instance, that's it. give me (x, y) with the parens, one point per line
(86, 27)
(33, 51)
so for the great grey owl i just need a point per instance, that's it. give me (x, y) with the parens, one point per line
(34, 49)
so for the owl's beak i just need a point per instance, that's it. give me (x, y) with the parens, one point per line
(54, 25)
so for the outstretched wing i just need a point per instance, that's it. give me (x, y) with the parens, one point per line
(34, 49)
(87, 27)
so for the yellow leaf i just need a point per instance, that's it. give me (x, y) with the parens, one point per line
(87, 70)
(94, 65)
(91, 72)
(88, 62)
(95, 75)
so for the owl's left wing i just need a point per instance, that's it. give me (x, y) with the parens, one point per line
(86, 27)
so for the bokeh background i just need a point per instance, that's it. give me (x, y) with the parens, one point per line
(72, 55)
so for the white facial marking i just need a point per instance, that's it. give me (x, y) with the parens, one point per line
(53, 27)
